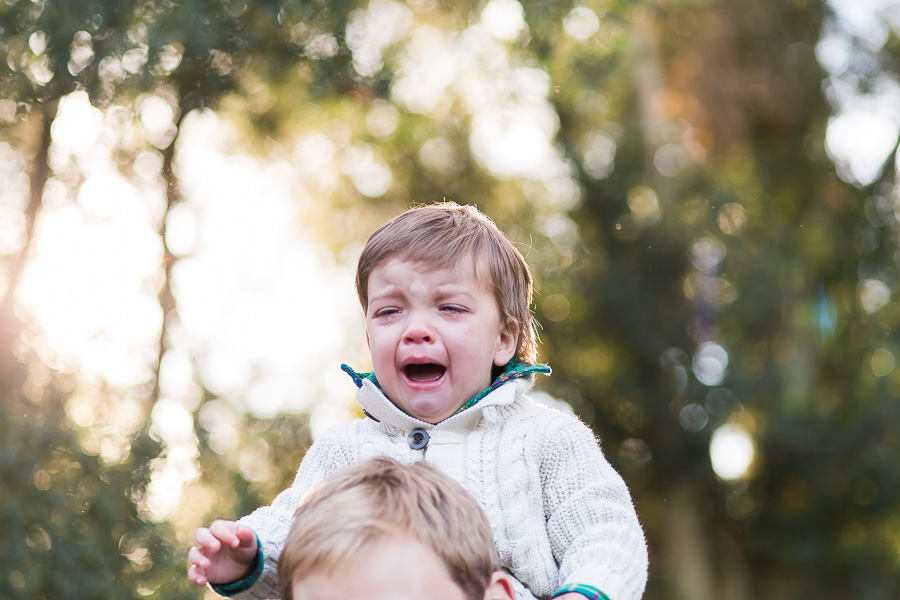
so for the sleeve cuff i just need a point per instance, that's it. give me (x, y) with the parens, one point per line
(589, 592)
(242, 585)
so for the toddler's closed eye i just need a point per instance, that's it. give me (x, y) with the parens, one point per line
(452, 308)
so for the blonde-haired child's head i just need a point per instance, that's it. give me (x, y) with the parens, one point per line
(370, 508)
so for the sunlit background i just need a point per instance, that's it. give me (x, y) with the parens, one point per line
(258, 247)
(265, 306)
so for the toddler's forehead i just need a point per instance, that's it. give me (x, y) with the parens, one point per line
(430, 264)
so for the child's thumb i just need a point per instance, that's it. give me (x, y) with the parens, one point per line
(246, 536)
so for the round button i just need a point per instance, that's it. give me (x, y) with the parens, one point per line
(417, 438)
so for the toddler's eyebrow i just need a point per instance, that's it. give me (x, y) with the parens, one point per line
(440, 291)
(451, 289)
(385, 293)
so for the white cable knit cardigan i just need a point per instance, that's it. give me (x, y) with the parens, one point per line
(558, 511)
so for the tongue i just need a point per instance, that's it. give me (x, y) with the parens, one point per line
(425, 372)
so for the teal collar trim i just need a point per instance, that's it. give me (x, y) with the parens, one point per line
(512, 370)
(588, 591)
(358, 378)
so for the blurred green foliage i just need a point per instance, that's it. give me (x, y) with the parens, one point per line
(694, 209)
(72, 526)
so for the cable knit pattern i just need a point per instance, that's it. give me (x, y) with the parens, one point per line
(559, 512)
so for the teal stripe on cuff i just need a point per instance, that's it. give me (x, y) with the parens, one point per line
(588, 591)
(242, 585)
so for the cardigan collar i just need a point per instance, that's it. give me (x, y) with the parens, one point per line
(517, 377)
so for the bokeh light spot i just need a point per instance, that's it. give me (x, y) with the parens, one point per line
(732, 218)
(581, 23)
(182, 229)
(503, 19)
(883, 362)
(731, 451)
(77, 125)
(635, 452)
(873, 295)
(382, 118)
(644, 205)
(370, 175)
(556, 307)
(709, 363)
(693, 418)
(42, 480)
(670, 160)
(598, 152)
(438, 155)
(860, 142)
(707, 253)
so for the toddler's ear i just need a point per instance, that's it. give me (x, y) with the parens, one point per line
(499, 587)
(509, 338)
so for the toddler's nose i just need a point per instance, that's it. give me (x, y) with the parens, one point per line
(418, 331)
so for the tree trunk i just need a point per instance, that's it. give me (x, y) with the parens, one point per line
(166, 297)
(705, 562)
(40, 171)
(688, 548)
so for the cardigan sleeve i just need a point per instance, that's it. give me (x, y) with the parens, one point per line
(272, 523)
(592, 524)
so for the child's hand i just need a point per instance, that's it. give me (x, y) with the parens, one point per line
(224, 553)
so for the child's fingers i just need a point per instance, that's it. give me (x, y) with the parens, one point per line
(196, 576)
(199, 560)
(207, 540)
(225, 532)
(246, 536)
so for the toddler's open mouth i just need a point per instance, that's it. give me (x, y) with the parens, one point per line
(424, 372)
